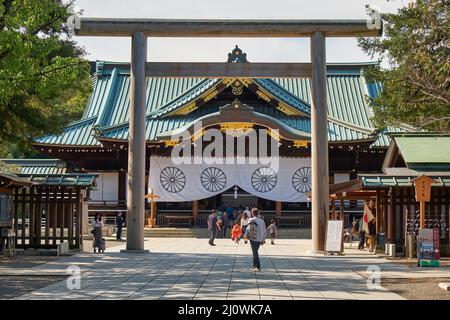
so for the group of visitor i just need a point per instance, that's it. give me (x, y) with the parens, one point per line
(248, 225)
(367, 236)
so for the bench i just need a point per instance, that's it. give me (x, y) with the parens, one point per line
(289, 221)
(179, 220)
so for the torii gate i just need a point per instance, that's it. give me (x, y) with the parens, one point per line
(140, 29)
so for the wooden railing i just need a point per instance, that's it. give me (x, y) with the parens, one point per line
(108, 209)
(298, 219)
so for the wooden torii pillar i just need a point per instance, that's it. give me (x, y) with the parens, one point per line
(139, 29)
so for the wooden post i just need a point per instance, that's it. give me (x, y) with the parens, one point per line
(38, 216)
(319, 132)
(422, 215)
(62, 214)
(341, 208)
(16, 213)
(390, 218)
(333, 209)
(31, 215)
(136, 150)
(379, 219)
(385, 211)
(195, 211)
(278, 209)
(153, 208)
(24, 215)
(70, 218)
(78, 217)
(54, 215)
(47, 216)
(84, 217)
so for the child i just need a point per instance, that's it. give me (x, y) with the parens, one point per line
(236, 233)
(244, 224)
(273, 231)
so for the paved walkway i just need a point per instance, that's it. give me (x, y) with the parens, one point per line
(191, 269)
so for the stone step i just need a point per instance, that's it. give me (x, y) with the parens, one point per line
(203, 233)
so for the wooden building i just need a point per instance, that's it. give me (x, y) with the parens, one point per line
(44, 210)
(409, 156)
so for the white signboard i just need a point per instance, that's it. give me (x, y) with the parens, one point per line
(334, 236)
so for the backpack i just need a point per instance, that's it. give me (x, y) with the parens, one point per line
(253, 231)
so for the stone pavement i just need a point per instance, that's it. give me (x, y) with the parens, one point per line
(191, 269)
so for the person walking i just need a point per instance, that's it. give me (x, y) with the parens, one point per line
(362, 235)
(224, 222)
(355, 228)
(230, 219)
(257, 237)
(273, 231)
(97, 226)
(372, 236)
(244, 223)
(213, 227)
(119, 225)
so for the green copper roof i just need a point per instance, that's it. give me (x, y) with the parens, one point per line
(107, 114)
(387, 181)
(69, 179)
(419, 152)
(37, 166)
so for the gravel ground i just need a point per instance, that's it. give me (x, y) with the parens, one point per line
(418, 289)
(15, 286)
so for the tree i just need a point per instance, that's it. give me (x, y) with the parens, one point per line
(415, 87)
(44, 80)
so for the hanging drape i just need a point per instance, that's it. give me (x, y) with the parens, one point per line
(283, 179)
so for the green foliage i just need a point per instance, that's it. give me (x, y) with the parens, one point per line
(44, 80)
(416, 84)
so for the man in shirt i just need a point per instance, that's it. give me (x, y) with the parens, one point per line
(213, 226)
(260, 238)
(119, 225)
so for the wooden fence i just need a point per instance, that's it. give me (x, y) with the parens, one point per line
(45, 216)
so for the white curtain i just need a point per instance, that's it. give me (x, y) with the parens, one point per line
(284, 179)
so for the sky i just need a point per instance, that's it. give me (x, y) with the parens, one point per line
(217, 49)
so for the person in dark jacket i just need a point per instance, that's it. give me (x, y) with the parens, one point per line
(119, 225)
(213, 227)
(362, 235)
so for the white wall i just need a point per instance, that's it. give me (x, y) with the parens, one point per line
(341, 177)
(107, 187)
